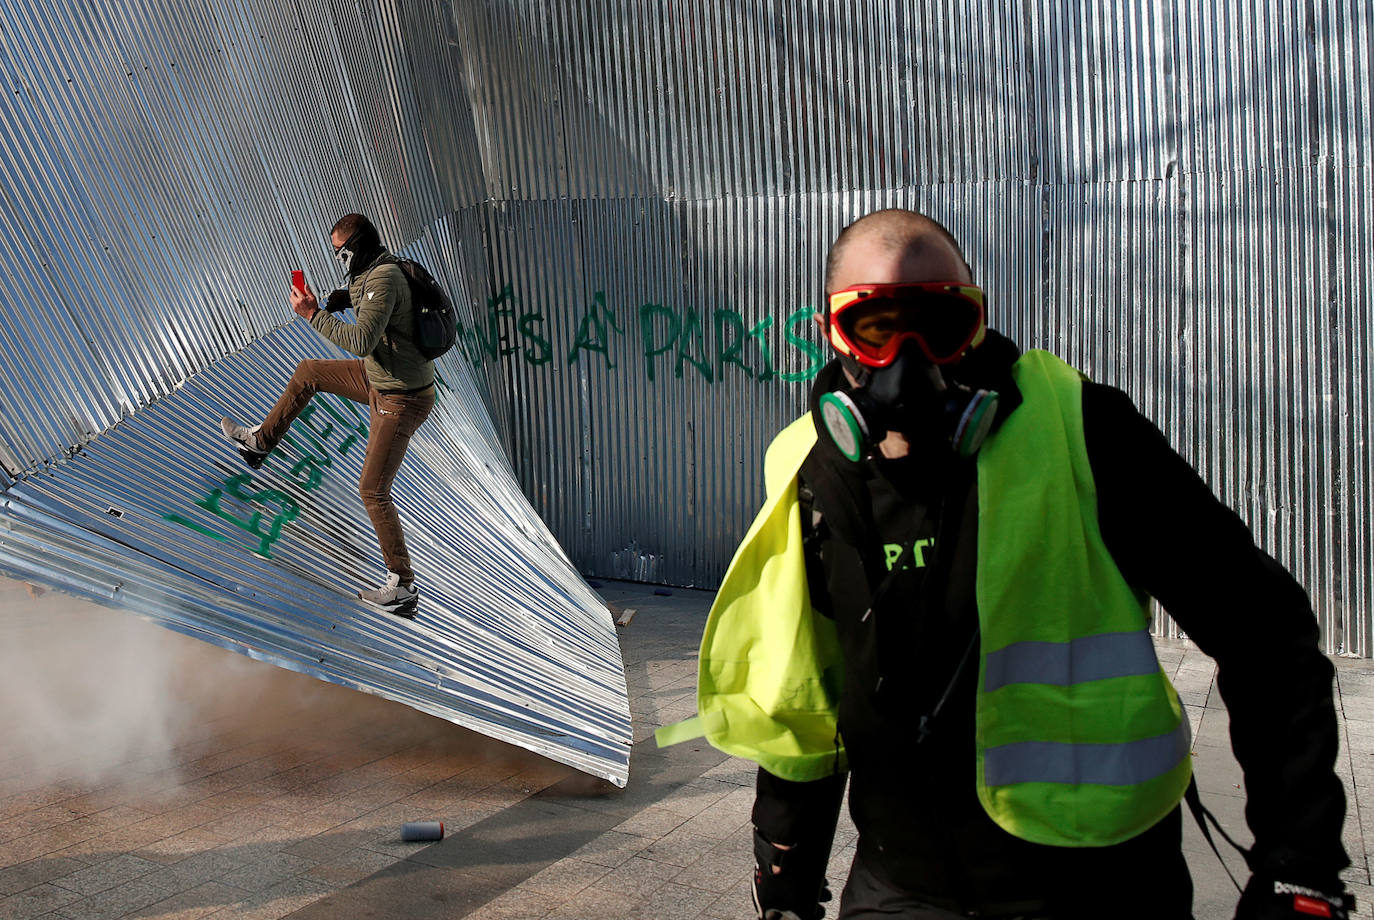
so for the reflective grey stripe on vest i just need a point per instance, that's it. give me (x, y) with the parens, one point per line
(1121, 654)
(1103, 764)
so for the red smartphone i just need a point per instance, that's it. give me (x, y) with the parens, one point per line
(298, 281)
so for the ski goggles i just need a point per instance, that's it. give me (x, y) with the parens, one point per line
(870, 322)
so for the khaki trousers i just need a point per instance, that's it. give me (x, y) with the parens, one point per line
(394, 417)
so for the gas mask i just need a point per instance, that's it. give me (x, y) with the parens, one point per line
(910, 396)
(896, 341)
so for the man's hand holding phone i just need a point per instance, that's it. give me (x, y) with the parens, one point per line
(303, 299)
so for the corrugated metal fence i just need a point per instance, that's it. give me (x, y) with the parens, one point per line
(634, 199)
(1174, 196)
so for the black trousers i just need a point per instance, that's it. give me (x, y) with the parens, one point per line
(868, 897)
(1163, 889)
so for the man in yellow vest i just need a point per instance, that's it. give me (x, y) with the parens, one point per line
(945, 598)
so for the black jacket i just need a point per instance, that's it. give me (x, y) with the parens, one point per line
(914, 801)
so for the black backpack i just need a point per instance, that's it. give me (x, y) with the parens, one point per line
(436, 325)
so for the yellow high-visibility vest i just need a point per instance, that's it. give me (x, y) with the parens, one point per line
(1081, 740)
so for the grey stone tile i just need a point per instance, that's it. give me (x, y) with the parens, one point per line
(211, 866)
(725, 817)
(121, 870)
(18, 803)
(179, 846)
(347, 865)
(1358, 874)
(741, 843)
(716, 871)
(637, 877)
(35, 902)
(406, 889)
(270, 839)
(653, 821)
(102, 847)
(267, 873)
(165, 879)
(612, 849)
(837, 869)
(735, 770)
(696, 796)
(40, 820)
(566, 878)
(190, 904)
(516, 904)
(114, 903)
(14, 879)
(679, 848)
(1364, 906)
(736, 903)
(602, 905)
(54, 841)
(324, 847)
(278, 901)
(237, 824)
(680, 902)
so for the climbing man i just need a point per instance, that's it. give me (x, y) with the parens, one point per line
(390, 376)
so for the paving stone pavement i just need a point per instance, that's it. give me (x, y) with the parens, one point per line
(145, 775)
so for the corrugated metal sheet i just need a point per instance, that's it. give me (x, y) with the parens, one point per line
(634, 200)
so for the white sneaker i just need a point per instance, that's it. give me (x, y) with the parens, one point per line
(246, 440)
(392, 598)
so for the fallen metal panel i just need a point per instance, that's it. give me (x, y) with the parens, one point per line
(160, 517)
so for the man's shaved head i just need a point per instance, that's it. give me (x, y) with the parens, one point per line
(901, 237)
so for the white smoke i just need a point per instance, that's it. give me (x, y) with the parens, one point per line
(93, 697)
(87, 694)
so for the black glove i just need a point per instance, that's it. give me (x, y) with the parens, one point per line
(792, 893)
(339, 299)
(1270, 898)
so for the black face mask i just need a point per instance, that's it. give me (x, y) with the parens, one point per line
(358, 251)
(911, 396)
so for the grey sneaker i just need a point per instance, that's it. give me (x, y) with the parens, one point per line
(392, 597)
(246, 440)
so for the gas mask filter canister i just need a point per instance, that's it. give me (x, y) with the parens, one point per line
(909, 398)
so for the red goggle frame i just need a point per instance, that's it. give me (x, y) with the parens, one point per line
(870, 322)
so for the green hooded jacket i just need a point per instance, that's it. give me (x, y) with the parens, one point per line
(382, 334)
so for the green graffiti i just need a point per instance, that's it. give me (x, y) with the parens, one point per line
(593, 330)
(759, 335)
(689, 340)
(647, 314)
(329, 427)
(543, 352)
(716, 344)
(250, 520)
(730, 337)
(817, 357)
(494, 342)
(478, 344)
(319, 423)
(238, 487)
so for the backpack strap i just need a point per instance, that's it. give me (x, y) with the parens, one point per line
(1202, 816)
